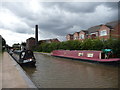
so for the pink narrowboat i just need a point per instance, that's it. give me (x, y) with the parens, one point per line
(97, 56)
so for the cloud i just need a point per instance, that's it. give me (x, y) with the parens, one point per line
(112, 5)
(13, 37)
(55, 19)
(11, 22)
(74, 7)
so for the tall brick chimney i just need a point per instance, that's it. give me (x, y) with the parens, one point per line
(36, 34)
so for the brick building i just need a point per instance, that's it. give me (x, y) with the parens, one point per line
(83, 35)
(93, 32)
(49, 40)
(114, 29)
(69, 37)
(76, 36)
(30, 42)
(105, 31)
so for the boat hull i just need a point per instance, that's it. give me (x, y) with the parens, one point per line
(32, 63)
(21, 62)
(75, 55)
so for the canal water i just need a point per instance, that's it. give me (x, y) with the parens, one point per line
(54, 72)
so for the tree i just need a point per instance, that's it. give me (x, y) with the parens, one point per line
(16, 46)
(87, 44)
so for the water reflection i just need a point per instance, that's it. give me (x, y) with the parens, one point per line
(53, 72)
(30, 70)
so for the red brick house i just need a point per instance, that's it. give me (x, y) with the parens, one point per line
(83, 34)
(106, 31)
(49, 40)
(76, 36)
(93, 32)
(69, 37)
(114, 29)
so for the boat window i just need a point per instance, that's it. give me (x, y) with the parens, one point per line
(23, 54)
(90, 55)
(80, 54)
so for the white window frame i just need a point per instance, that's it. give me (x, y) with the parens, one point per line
(80, 54)
(90, 54)
(96, 33)
(82, 36)
(103, 33)
(92, 33)
(75, 38)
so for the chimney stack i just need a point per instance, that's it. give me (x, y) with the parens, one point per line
(36, 34)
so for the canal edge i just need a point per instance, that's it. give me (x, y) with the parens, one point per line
(24, 75)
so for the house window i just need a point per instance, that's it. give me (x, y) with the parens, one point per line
(82, 36)
(103, 33)
(92, 33)
(48, 41)
(96, 33)
(75, 38)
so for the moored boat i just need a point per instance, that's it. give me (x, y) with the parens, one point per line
(97, 56)
(24, 57)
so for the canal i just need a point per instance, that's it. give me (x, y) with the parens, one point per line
(54, 72)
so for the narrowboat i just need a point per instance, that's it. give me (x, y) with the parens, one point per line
(96, 56)
(24, 57)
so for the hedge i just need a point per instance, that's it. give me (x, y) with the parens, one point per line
(87, 44)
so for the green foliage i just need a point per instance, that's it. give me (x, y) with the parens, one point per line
(87, 44)
(115, 45)
(23, 43)
(16, 46)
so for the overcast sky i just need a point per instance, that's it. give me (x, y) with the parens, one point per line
(55, 19)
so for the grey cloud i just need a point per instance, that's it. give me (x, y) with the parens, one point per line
(16, 8)
(60, 18)
(112, 5)
(74, 7)
(19, 29)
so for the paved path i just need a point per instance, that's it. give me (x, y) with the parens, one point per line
(0, 70)
(11, 75)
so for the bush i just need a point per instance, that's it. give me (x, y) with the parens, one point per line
(88, 44)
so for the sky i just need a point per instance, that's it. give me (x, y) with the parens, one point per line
(55, 19)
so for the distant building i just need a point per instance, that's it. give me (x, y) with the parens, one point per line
(114, 29)
(30, 42)
(49, 40)
(93, 32)
(105, 31)
(76, 36)
(83, 35)
(69, 37)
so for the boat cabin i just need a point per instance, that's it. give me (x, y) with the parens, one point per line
(26, 54)
(102, 56)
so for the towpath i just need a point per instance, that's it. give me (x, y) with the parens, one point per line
(12, 74)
